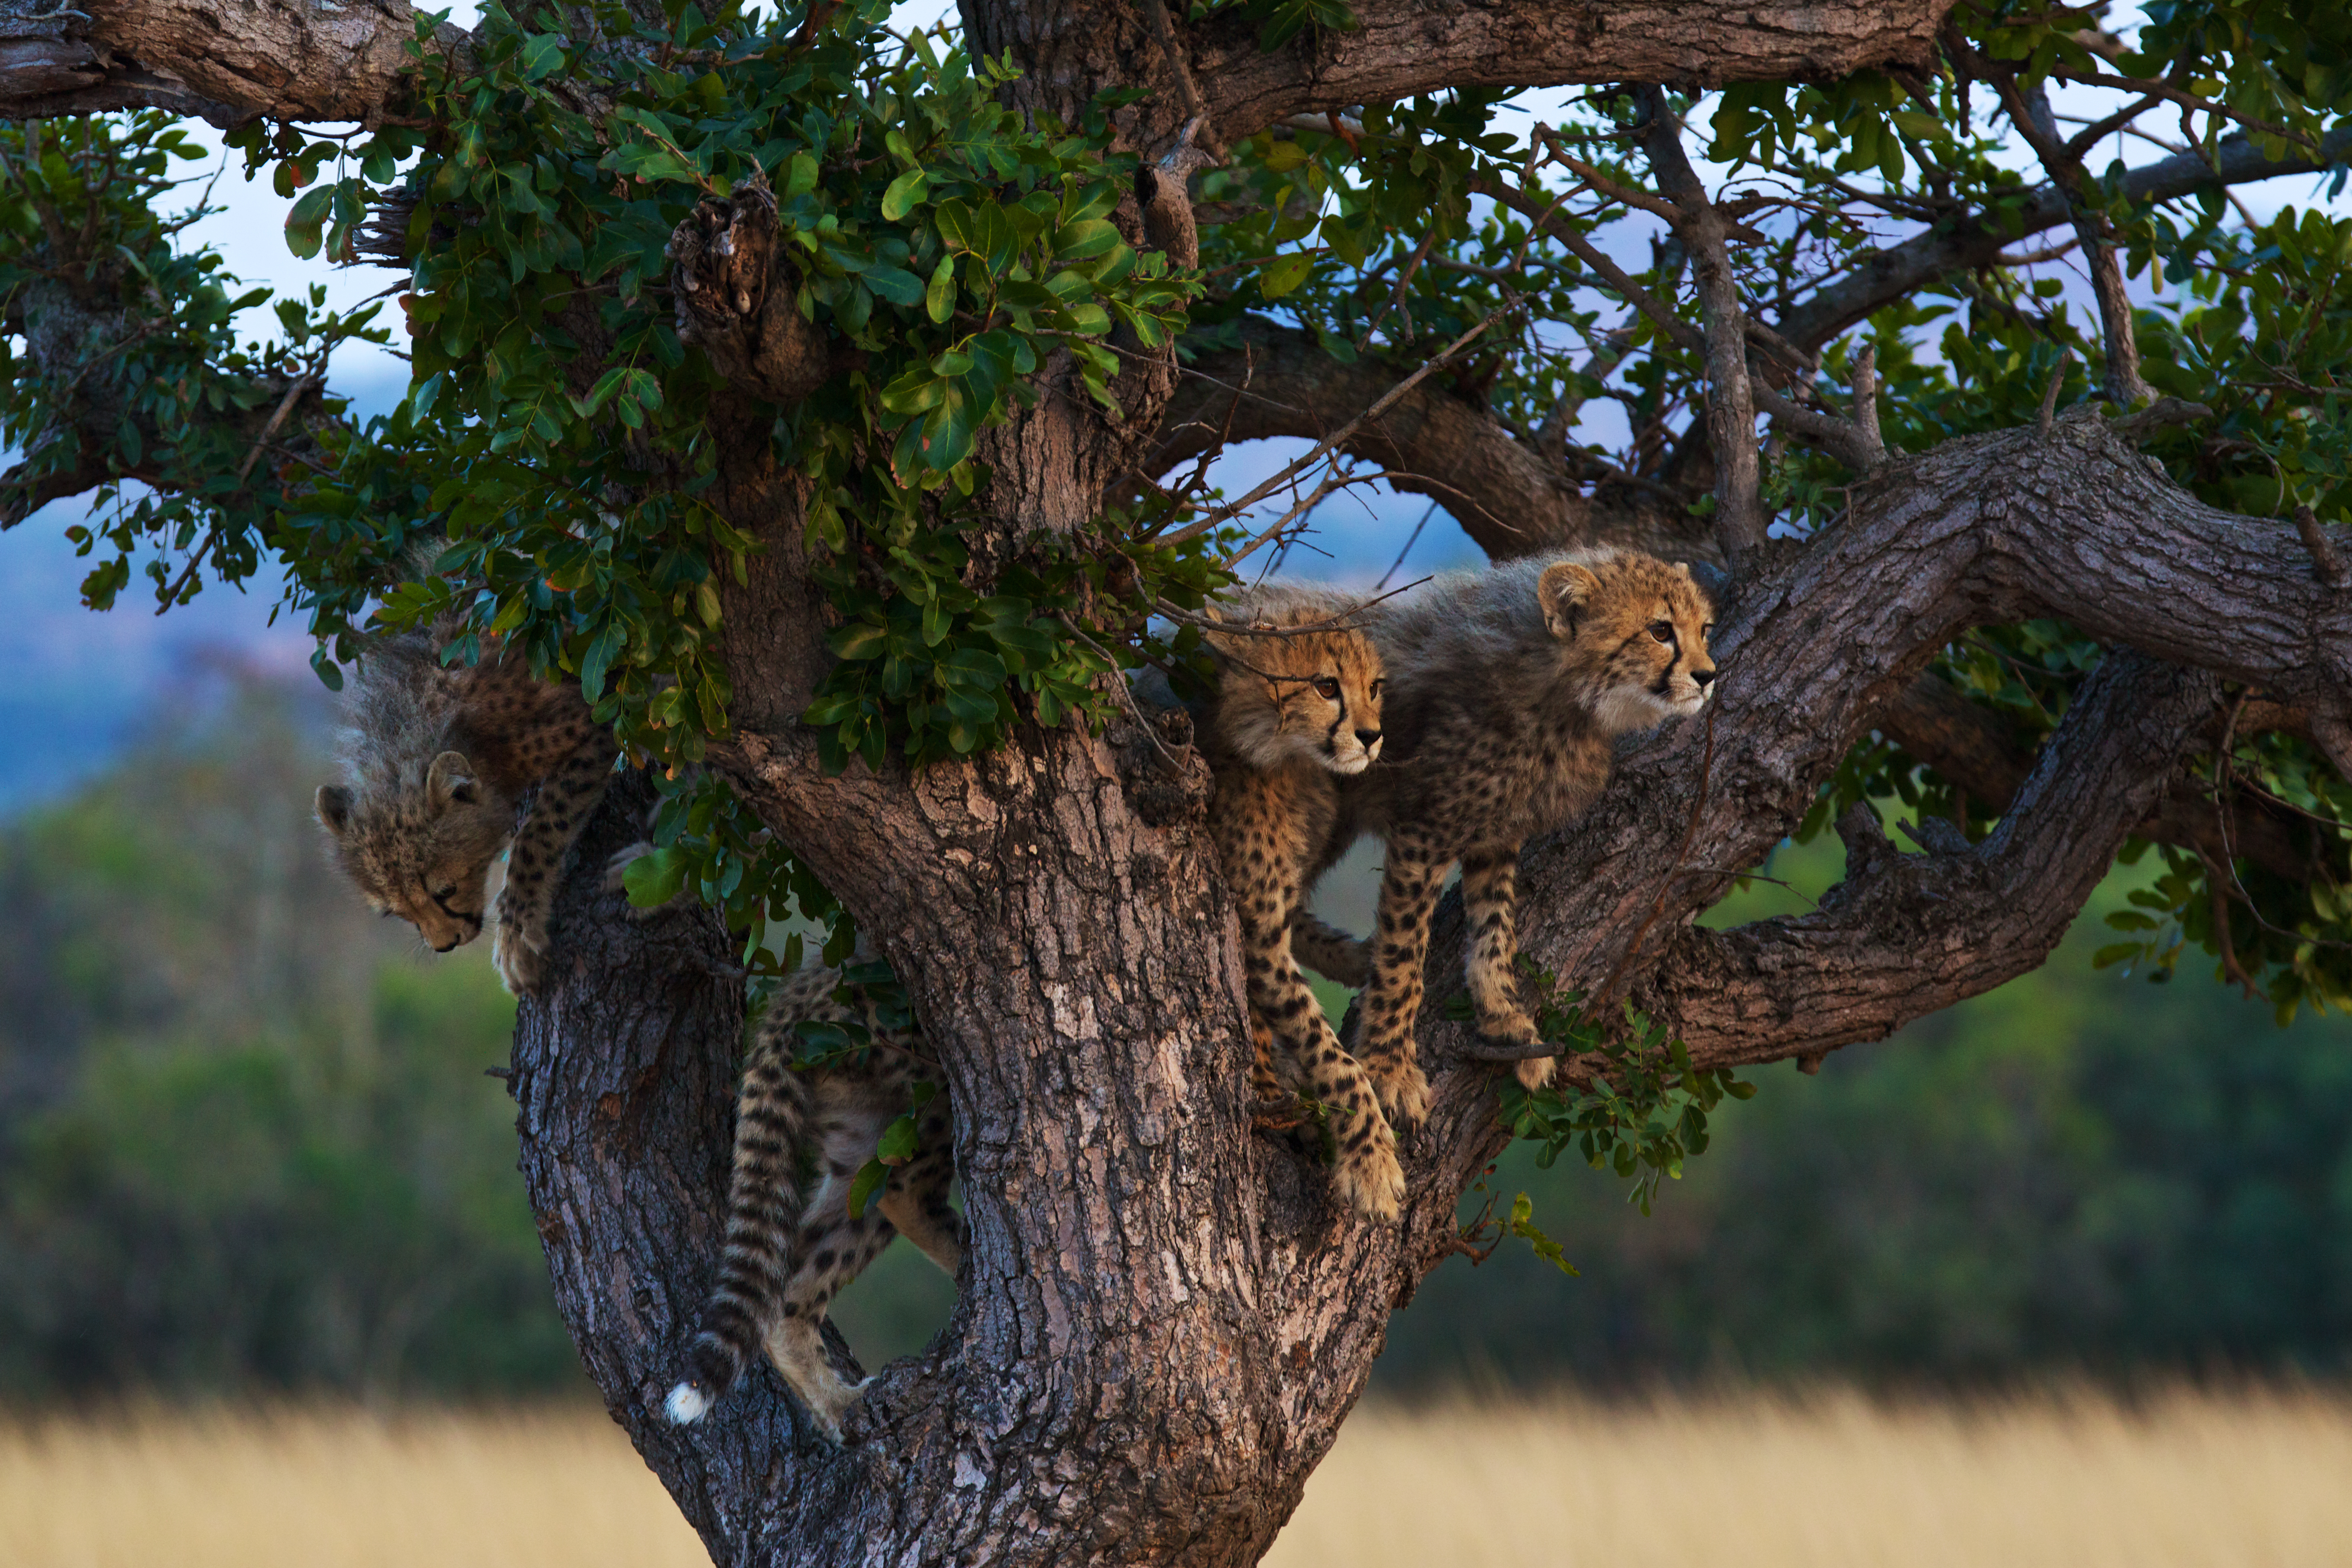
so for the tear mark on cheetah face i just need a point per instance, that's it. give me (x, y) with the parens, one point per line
(1314, 697)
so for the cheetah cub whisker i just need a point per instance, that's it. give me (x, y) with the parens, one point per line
(1507, 689)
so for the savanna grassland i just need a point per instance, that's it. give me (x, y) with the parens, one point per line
(2250, 1478)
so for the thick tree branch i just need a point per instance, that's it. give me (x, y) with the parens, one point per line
(1403, 47)
(1507, 497)
(222, 62)
(1975, 753)
(1907, 934)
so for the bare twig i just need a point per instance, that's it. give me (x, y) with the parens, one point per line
(1150, 730)
(212, 535)
(1410, 540)
(1396, 298)
(1165, 32)
(2044, 421)
(2326, 564)
(1730, 397)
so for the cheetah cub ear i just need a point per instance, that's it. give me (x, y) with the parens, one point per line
(450, 781)
(333, 804)
(1564, 590)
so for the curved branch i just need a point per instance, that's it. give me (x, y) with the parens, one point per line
(1899, 272)
(1507, 497)
(1905, 935)
(1400, 47)
(1974, 751)
(224, 62)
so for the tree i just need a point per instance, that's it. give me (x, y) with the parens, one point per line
(821, 401)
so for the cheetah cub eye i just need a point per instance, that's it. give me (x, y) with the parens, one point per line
(1327, 688)
(1663, 631)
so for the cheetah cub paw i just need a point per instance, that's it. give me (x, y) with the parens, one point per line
(1404, 1094)
(1369, 1177)
(519, 950)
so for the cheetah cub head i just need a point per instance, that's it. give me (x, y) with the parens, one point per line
(1634, 629)
(421, 849)
(1315, 696)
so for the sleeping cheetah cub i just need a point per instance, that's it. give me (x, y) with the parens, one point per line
(1507, 689)
(434, 761)
(789, 1252)
(1290, 716)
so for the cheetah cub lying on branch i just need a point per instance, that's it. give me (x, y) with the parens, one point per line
(789, 1251)
(436, 760)
(1507, 689)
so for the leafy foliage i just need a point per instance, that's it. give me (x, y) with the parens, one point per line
(948, 247)
(1644, 1111)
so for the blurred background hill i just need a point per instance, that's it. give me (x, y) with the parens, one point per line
(248, 1145)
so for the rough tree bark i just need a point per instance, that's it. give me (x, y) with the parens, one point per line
(1164, 1318)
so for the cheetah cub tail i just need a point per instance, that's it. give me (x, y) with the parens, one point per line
(763, 1211)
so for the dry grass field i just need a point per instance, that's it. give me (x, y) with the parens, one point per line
(2244, 1480)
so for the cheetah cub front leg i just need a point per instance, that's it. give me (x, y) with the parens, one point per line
(535, 864)
(1490, 900)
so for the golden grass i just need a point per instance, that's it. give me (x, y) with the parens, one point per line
(2183, 1481)
(2245, 1480)
(163, 1489)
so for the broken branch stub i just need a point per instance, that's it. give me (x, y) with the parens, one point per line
(737, 299)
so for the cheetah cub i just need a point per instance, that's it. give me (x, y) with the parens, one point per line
(789, 1251)
(1507, 688)
(434, 761)
(1291, 716)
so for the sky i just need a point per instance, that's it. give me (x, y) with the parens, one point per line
(78, 686)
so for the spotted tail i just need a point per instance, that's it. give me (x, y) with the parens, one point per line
(763, 1215)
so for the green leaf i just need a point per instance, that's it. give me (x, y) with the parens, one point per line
(896, 284)
(865, 1184)
(1089, 238)
(1284, 274)
(938, 300)
(654, 880)
(899, 1143)
(308, 216)
(542, 56)
(856, 641)
(905, 190)
(602, 650)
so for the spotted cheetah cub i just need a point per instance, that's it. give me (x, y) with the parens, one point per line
(1290, 717)
(434, 761)
(1507, 688)
(789, 1249)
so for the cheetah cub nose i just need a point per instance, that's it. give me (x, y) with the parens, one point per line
(1703, 676)
(1368, 739)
